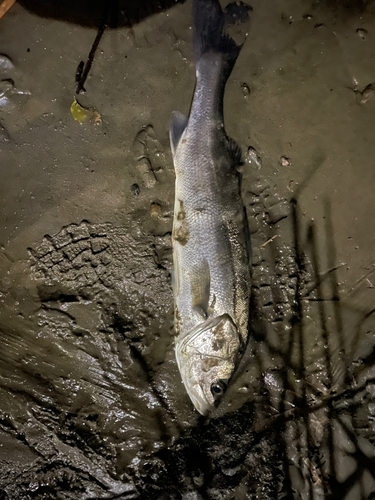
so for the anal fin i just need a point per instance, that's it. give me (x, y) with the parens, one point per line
(178, 124)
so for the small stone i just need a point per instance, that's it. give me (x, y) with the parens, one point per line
(245, 89)
(155, 210)
(134, 189)
(362, 33)
(244, 389)
(284, 161)
(253, 157)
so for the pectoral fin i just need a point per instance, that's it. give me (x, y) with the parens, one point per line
(200, 288)
(235, 152)
(176, 129)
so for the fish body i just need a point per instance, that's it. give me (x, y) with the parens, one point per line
(210, 244)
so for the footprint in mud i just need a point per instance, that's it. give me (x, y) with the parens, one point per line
(274, 268)
(7, 85)
(126, 276)
(150, 156)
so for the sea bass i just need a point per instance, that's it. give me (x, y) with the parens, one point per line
(210, 245)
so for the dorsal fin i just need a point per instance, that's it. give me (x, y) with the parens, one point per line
(176, 129)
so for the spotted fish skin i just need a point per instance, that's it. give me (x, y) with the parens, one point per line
(210, 244)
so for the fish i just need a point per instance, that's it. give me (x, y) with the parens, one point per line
(210, 237)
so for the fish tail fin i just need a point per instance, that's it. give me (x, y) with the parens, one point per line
(218, 31)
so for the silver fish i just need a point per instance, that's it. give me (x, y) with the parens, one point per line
(210, 244)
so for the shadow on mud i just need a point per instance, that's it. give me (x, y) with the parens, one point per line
(323, 415)
(90, 13)
(98, 14)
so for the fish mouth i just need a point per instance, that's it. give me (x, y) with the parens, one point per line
(199, 400)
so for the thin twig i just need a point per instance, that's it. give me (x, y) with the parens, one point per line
(269, 241)
(84, 69)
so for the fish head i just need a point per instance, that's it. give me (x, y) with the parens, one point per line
(207, 357)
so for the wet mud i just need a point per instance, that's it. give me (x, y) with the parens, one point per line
(91, 402)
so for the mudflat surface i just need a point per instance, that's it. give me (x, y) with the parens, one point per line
(91, 403)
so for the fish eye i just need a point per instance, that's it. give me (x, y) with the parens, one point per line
(218, 388)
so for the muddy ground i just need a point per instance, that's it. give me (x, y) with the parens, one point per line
(91, 403)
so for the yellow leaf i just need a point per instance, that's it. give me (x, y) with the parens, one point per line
(82, 115)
